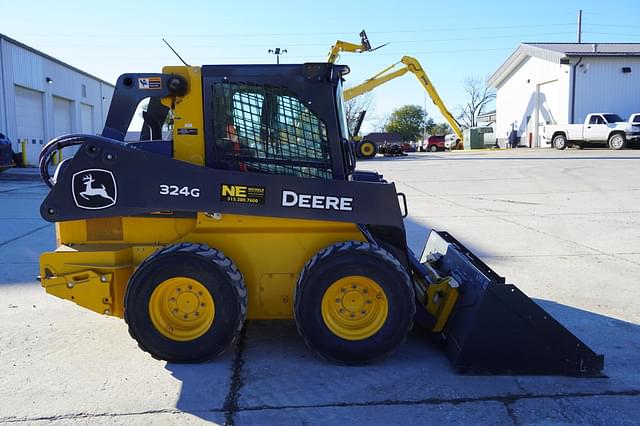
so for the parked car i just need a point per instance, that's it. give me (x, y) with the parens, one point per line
(408, 147)
(6, 153)
(435, 143)
(451, 141)
(634, 118)
(598, 128)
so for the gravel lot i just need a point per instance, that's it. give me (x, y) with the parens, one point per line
(563, 226)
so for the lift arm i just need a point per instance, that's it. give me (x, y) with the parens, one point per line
(345, 46)
(409, 65)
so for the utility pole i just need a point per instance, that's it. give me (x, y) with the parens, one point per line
(277, 51)
(580, 26)
(424, 129)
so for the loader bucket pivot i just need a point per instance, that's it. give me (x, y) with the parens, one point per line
(496, 329)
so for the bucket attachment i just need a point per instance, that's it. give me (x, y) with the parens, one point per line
(494, 328)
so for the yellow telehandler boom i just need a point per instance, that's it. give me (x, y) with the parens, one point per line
(345, 46)
(409, 64)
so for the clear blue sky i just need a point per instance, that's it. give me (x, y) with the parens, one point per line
(452, 40)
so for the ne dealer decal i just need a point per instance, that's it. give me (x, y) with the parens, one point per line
(242, 194)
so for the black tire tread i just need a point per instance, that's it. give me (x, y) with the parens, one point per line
(224, 263)
(341, 248)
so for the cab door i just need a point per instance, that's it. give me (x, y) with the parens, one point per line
(596, 129)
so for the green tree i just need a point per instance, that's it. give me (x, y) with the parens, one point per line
(441, 129)
(410, 121)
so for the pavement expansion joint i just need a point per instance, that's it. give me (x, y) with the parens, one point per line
(26, 234)
(511, 413)
(505, 399)
(231, 401)
(21, 188)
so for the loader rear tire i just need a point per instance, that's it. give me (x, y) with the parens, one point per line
(186, 303)
(354, 303)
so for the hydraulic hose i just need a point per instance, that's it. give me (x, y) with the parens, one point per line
(56, 144)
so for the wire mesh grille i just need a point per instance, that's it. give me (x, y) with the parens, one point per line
(267, 129)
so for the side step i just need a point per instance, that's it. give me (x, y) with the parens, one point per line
(494, 328)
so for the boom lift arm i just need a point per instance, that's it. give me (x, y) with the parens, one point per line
(412, 65)
(345, 46)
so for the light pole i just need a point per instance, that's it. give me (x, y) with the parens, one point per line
(277, 51)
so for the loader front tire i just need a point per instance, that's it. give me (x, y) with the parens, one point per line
(186, 303)
(354, 303)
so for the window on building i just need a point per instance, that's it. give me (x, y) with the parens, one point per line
(268, 129)
(83, 89)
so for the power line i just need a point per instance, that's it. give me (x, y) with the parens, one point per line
(615, 34)
(613, 26)
(439, 30)
(308, 57)
(433, 40)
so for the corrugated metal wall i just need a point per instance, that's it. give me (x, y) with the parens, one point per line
(24, 69)
(601, 86)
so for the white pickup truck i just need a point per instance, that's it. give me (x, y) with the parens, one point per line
(602, 128)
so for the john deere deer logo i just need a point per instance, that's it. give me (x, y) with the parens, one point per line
(94, 189)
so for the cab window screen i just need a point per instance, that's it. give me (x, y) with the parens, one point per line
(267, 129)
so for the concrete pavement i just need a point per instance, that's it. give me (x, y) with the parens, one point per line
(563, 226)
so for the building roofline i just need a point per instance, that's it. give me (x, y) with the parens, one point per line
(537, 50)
(51, 58)
(518, 56)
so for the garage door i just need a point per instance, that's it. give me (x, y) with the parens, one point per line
(62, 121)
(86, 119)
(61, 116)
(30, 121)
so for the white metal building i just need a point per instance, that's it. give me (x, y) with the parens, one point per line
(560, 83)
(42, 97)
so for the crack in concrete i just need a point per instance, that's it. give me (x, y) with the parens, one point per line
(230, 406)
(75, 416)
(26, 234)
(507, 201)
(21, 187)
(505, 399)
(511, 413)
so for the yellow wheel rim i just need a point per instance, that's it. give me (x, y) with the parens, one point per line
(354, 307)
(181, 309)
(366, 148)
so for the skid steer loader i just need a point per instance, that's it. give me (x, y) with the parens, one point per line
(254, 210)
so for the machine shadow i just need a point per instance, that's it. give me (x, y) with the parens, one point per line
(276, 370)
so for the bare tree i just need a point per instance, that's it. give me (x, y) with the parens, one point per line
(354, 106)
(479, 96)
(380, 123)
